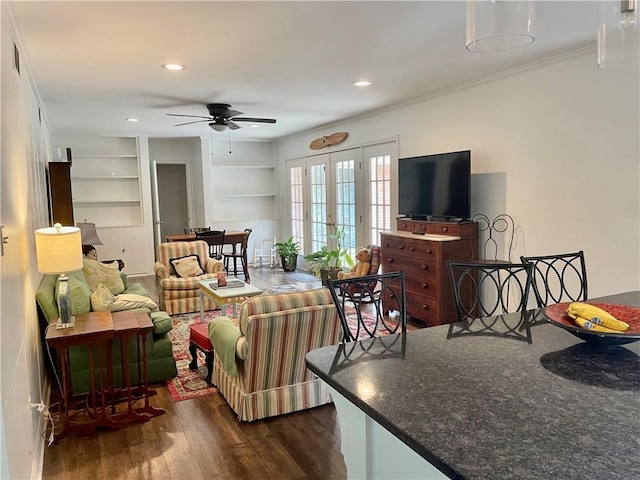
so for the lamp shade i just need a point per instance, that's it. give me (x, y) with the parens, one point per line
(618, 34)
(89, 234)
(499, 25)
(58, 249)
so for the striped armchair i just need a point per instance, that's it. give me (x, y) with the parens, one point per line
(276, 332)
(181, 295)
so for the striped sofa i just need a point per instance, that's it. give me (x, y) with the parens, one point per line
(276, 333)
(181, 295)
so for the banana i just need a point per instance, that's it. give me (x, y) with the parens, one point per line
(596, 316)
(584, 323)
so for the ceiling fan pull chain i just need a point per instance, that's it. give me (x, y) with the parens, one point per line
(229, 130)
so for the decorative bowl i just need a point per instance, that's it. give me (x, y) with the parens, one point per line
(556, 315)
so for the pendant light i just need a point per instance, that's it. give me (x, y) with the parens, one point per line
(499, 25)
(618, 34)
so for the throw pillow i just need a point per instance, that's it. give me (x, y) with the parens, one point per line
(130, 301)
(188, 266)
(107, 273)
(102, 299)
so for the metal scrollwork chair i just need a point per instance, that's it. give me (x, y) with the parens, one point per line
(356, 306)
(557, 278)
(215, 240)
(487, 289)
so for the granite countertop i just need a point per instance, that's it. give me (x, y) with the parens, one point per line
(498, 398)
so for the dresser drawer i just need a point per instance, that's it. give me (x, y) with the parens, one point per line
(426, 285)
(405, 247)
(414, 264)
(423, 308)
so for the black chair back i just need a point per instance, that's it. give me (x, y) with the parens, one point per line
(489, 288)
(215, 240)
(364, 305)
(558, 278)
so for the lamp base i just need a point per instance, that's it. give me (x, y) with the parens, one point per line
(60, 324)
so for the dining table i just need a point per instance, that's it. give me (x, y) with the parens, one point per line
(235, 238)
(504, 397)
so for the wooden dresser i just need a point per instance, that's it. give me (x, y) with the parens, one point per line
(423, 257)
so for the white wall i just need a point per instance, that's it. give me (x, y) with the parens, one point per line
(555, 146)
(25, 149)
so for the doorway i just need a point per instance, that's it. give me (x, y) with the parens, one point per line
(171, 214)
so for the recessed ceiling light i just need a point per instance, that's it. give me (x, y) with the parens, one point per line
(173, 66)
(362, 83)
(131, 119)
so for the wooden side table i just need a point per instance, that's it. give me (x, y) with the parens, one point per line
(95, 330)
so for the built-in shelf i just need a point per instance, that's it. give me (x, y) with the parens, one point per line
(106, 177)
(230, 195)
(109, 202)
(115, 155)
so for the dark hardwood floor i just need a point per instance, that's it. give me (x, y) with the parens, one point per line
(202, 438)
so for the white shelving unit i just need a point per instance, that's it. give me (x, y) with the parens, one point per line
(244, 192)
(107, 187)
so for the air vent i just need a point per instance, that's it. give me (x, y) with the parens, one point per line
(16, 58)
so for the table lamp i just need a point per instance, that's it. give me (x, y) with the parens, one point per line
(59, 251)
(89, 238)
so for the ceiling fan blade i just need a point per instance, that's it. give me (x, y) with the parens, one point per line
(232, 113)
(231, 125)
(180, 115)
(218, 127)
(254, 120)
(189, 123)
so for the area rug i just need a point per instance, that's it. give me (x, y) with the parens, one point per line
(188, 383)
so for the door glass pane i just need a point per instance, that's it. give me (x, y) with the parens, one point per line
(318, 185)
(380, 188)
(346, 202)
(297, 205)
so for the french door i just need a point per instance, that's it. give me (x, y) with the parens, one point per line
(349, 189)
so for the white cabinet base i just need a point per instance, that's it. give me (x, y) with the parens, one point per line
(371, 452)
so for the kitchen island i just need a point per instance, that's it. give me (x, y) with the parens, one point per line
(487, 399)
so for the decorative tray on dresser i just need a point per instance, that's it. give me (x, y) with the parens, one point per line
(421, 249)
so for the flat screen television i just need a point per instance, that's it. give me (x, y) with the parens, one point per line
(435, 186)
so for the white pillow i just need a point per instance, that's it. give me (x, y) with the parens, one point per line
(102, 299)
(97, 272)
(188, 266)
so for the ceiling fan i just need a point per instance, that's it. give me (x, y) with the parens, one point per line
(221, 117)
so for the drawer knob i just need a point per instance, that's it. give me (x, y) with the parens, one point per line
(390, 260)
(425, 285)
(425, 307)
(429, 250)
(401, 247)
(445, 229)
(413, 249)
(425, 267)
(386, 244)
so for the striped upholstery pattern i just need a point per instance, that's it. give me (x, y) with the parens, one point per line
(181, 295)
(279, 331)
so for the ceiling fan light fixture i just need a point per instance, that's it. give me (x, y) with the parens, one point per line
(218, 127)
(618, 34)
(499, 25)
(176, 67)
(362, 83)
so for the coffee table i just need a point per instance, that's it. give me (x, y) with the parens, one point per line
(224, 296)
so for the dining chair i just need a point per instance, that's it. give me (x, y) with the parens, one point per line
(236, 255)
(215, 240)
(489, 288)
(377, 306)
(559, 277)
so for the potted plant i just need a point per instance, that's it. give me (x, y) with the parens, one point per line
(327, 263)
(288, 252)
